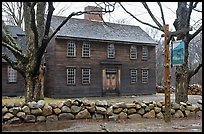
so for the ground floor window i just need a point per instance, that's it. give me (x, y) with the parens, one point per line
(145, 75)
(86, 75)
(12, 74)
(133, 74)
(71, 72)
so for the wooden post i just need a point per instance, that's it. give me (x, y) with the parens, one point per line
(167, 114)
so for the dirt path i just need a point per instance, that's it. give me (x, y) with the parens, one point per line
(139, 125)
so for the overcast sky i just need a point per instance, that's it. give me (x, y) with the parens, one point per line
(135, 8)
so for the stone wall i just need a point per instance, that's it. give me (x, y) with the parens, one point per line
(85, 109)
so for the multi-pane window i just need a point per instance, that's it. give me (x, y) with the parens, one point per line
(145, 75)
(86, 49)
(144, 52)
(111, 51)
(71, 72)
(133, 74)
(12, 74)
(133, 52)
(71, 49)
(86, 75)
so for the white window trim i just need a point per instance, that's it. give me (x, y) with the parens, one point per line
(144, 52)
(83, 76)
(71, 45)
(111, 51)
(133, 48)
(74, 75)
(12, 75)
(145, 76)
(135, 76)
(85, 44)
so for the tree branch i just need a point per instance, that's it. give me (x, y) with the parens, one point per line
(192, 72)
(162, 13)
(158, 28)
(151, 15)
(191, 36)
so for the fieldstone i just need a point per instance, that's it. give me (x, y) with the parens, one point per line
(75, 109)
(17, 104)
(187, 113)
(40, 103)
(68, 103)
(30, 118)
(162, 102)
(60, 104)
(65, 109)
(113, 117)
(8, 116)
(159, 104)
(51, 118)
(21, 115)
(141, 111)
(14, 120)
(183, 103)
(86, 102)
(102, 103)
(121, 104)
(109, 111)
(147, 102)
(182, 108)
(83, 115)
(122, 115)
(163, 108)
(4, 110)
(151, 106)
(26, 109)
(189, 103)
(14, 110)
(125, 110)
(36, 111)
(173, 111)
(41, 119)
(150, 114)
(136, 102)
(147, 109)
(77, 102)
(178, 114)
(57, 111)
(134, 116)
(66, 116)
(47, 110)
(117, 110)
(131, 111)
(175, 106)
(200, 106)
(143, 105)
(160, 115)
(91, 108)
(9, 105)
(157, 109)
(53, 105)
(138, 106)
(154, 103)
(131, 105)
(100, 110)
(98, 116)
(192, 108)
(33, 104)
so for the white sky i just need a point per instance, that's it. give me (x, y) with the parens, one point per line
(135, 8)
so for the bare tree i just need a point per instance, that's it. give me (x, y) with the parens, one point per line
(182, 25)
(13, 13)
(38, 35)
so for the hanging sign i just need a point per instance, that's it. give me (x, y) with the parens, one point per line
(178, 53)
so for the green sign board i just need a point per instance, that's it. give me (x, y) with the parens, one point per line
(178, 53)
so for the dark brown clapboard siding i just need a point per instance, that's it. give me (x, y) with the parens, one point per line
(11, 89)
(59, 87)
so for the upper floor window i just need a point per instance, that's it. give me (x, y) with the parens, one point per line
(12, 74)
(144, 52)
(133, 52)
(145, 75)
(111, 51)
(71, 49)
(71, 72)
(133, 74)
(86, 75)
(86, 49)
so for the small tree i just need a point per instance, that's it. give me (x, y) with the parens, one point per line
(37, 37)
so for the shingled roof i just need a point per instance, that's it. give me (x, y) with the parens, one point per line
(82, 28)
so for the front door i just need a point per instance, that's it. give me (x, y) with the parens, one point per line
(110, 82)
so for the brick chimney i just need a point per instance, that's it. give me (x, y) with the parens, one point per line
(93, 16)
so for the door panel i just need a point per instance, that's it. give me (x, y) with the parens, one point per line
(110, 81)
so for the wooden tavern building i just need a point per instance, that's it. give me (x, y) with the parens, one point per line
(89, 57)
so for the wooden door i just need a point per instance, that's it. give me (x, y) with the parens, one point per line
(111, 82)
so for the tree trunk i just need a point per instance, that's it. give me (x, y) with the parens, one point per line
(34, 86)
(181, 92)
